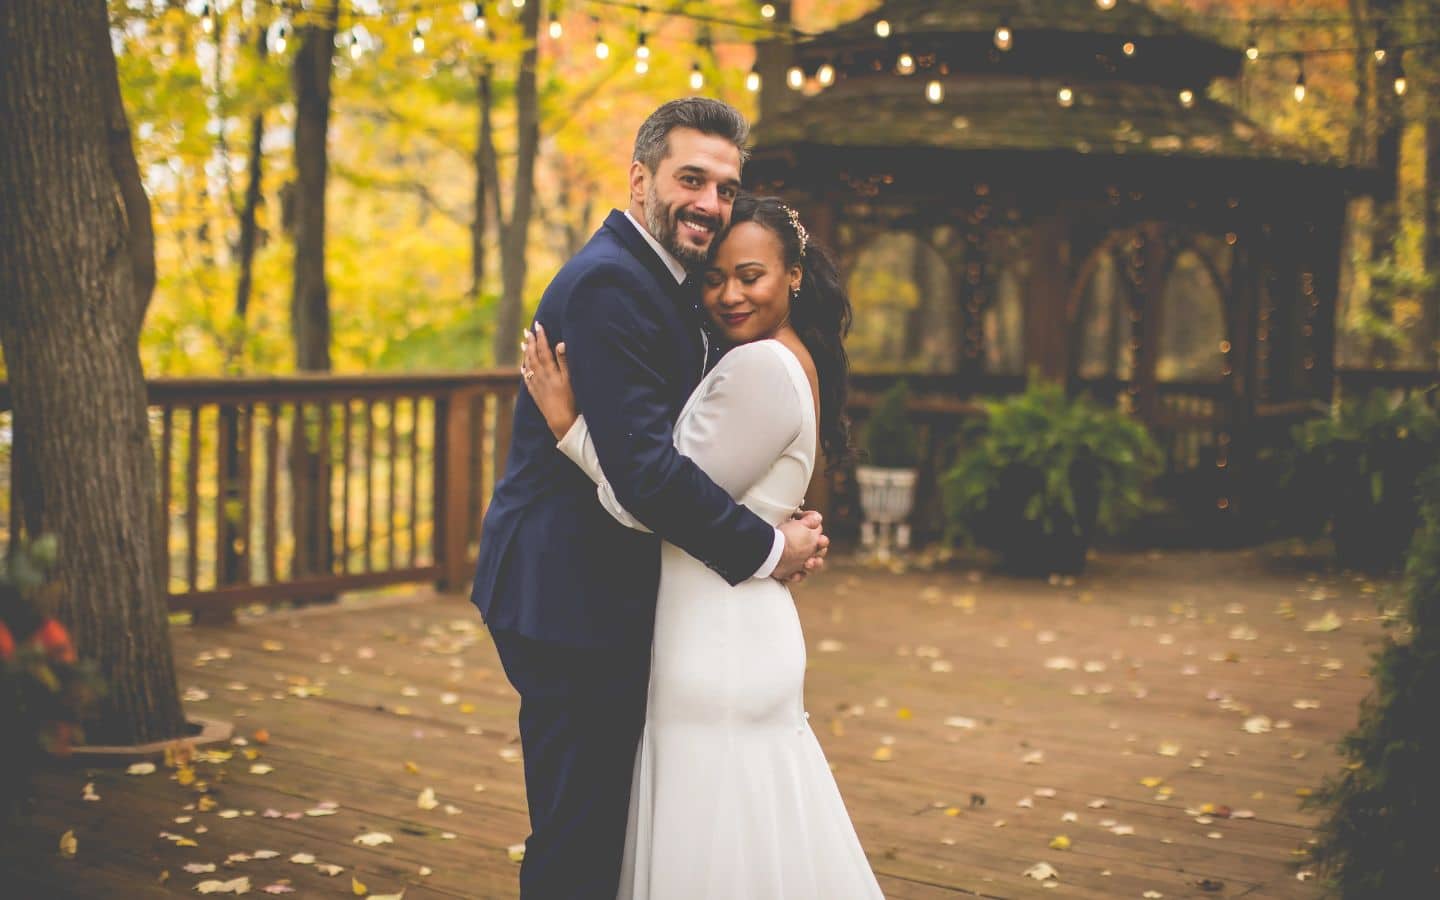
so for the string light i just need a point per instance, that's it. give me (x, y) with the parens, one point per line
(518, 4)
(478, 10)
(642, 66)
(752, 81)
(1128, 48)
(642, 49)
(280, 32)
(767, 11)
(905, 64)
(1004, 39)
(1300, 79)
(557, 31)
(825, 74)
(697, 77)
(795, 78)
(1252, 46)
(207, 22)
(1105, 4)
(417, 41)
(1065, 96)
(882, 28)
(1380, 54)
(934, 92)
(1401, 84)
(356, 50)
(1187, 98)
(602, 49)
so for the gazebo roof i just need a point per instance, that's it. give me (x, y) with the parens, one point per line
(991, 114)
(1127, 18)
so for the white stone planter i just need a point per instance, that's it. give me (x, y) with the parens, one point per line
(886, 498)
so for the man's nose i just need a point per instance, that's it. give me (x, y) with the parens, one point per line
(708, 200)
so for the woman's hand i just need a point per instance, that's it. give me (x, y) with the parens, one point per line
(547, 378)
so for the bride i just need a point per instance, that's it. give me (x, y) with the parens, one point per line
(732, 797)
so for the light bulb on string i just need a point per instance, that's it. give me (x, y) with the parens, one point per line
(557, 31)
(1187, 98)
(356, 51)
(479, 16)
(602, 49)
(1252, 46)
(935, 91)
(1128, 48)
(1065, 96)
(1380, 54)
(697, 77)
(825, 75)
(767, 11)
(642, 49)
(752, 81)
(1300, 79)
(1401, 84)
(905, 63)
(795, 78)
(1004, 37)
(417, 41)
(882, 28)
(1105, 4)
(207, 20)
(278, 44)
(642, 66)
(518, 4)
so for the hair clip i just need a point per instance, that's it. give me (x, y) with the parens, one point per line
(800, 233)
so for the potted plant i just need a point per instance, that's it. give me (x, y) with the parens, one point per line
(45, 690)
(1043, 474)
(1361, 465)
(887, 479)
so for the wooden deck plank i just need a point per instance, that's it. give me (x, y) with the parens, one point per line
(352, 693)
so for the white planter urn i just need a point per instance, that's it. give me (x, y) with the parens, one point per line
(886, 498)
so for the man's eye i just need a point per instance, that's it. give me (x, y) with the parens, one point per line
(690, 180)
(728, 193)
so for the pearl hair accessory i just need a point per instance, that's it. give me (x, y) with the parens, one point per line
(800, 232)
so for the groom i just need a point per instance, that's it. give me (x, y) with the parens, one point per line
(568, 593)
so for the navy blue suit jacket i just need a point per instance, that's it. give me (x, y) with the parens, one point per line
(554, 566)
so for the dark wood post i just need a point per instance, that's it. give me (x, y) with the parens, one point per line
(453, 433)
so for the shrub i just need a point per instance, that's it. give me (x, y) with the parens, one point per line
(890, 440)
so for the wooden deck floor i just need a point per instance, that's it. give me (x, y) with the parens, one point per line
(970, 721)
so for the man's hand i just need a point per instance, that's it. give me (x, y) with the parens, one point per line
(805, 548)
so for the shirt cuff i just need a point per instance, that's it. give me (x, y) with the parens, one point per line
(773, 559)
(573, 444)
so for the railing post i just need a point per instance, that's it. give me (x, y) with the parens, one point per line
(453, 409)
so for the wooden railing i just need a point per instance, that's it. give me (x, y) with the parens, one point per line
(301, 487)
(305, 486)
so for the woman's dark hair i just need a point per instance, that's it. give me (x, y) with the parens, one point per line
(819, 313)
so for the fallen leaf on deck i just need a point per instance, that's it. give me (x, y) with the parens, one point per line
(261, 769)
(141, 768)
(829, 646)
(278, 887)
(960, 722)
(1306, 704)
(1033, 758)
(426, 871)
(1123, 830)
(1060, 842)
(1042, 871)
(516, 852)
(357, 887)
(199, 868)
(373, 838)
(329, 869)
(1258, 725)
(1152, 895)
(303, 859)
(89, 792)
(1168, 748)
(882, 754)
(239, 885)
(1328, 622)
(264, 854)
(69, 845)
(427, 800)
(271, 646)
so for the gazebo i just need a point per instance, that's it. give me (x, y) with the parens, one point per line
(1063, 157)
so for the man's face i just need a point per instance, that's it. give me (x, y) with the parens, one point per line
(686, 201)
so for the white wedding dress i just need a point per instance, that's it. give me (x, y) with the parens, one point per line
(732, 797)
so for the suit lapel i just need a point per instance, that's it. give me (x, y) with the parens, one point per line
(684, 299)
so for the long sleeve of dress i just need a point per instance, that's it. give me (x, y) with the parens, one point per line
(748, 414)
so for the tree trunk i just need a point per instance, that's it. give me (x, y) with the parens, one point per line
(515, 230)
(485, 168)
(310, 302)
(77, 267)
(1429, 338)
(249, 227)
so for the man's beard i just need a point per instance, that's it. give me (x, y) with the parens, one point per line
(664, 225)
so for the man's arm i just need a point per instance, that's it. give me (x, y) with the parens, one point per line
(612, 346)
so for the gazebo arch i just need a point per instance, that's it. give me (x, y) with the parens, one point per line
(1091, 123)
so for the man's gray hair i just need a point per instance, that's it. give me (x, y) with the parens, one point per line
(707, 116)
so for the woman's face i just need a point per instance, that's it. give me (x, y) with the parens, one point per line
(747, 286)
